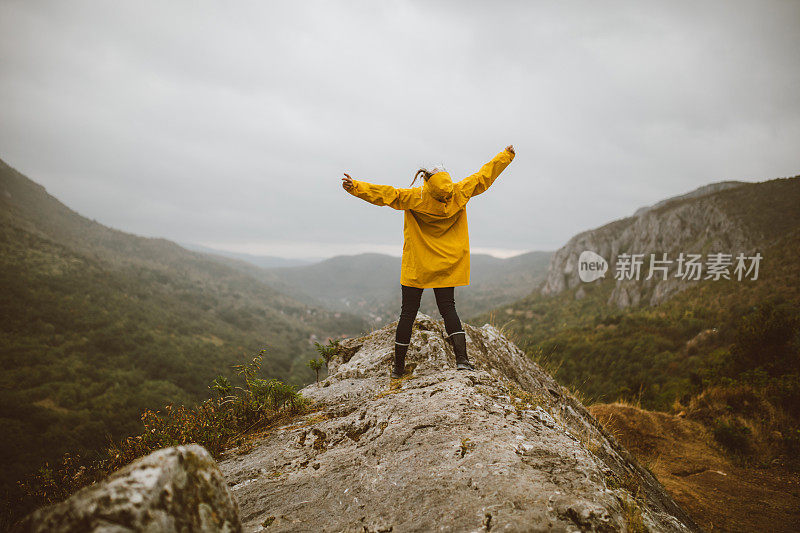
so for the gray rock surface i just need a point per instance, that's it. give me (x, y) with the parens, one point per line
(171, 490)
(694, 223)
(503, 448)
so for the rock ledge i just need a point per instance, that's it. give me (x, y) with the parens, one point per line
(503, 448)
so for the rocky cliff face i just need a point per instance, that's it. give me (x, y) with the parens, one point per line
(693, 223)
(503, 448)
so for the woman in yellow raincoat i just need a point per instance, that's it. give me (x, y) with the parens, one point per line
(436, 244)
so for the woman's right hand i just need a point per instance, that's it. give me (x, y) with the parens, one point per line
(510, 148)
(347, 182)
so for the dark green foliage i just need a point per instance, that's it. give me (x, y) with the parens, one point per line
(767, 337)
(221, 385)
(216, 423)
(784, 391)
(316, 365)
(327, 351)
(733, 435)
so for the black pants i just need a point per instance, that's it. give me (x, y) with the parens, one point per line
(445, 300)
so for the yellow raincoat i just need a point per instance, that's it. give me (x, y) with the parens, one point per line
(436, 239)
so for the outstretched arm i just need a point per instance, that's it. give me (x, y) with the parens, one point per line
(480, 181)
(381, 194)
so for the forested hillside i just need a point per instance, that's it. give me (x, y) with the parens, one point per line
(660, 352)
(98, 325)
(725, 352)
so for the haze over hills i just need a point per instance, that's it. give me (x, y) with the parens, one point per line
(264, 261)
(368, 284)
(99, 324)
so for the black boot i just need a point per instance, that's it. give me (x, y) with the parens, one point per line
(399, 367)
(459, 340)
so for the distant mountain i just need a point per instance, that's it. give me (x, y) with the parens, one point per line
(98, 325)
(727, 217)
(264, 261)
(368, 284)
(659, 341)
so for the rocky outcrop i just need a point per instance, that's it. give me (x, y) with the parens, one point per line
(171, 490)
(694, 223)
(503, 448)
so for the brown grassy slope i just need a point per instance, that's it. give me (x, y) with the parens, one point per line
(718, 493)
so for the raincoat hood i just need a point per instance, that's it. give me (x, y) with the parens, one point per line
(439, 185)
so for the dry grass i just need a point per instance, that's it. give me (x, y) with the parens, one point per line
(590, 443)
(716, 491)
(651, 462)
(607, 420)
(578, 394)
(310, 421)
(394, 387)
(526, 399)
(504, 328)
(396, 384)
(744, 422)
(545, 360)
(630, 504)
(635, 403)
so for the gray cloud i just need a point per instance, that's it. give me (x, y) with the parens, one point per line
(232, 124)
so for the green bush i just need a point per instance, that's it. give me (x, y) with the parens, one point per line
(766, 337)
(327, 351)
(733, 435)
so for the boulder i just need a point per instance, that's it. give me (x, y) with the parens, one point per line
(176, 489)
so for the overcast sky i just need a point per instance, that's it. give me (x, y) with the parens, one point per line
(230, 124)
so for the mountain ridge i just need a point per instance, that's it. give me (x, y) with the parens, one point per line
(703, 190)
